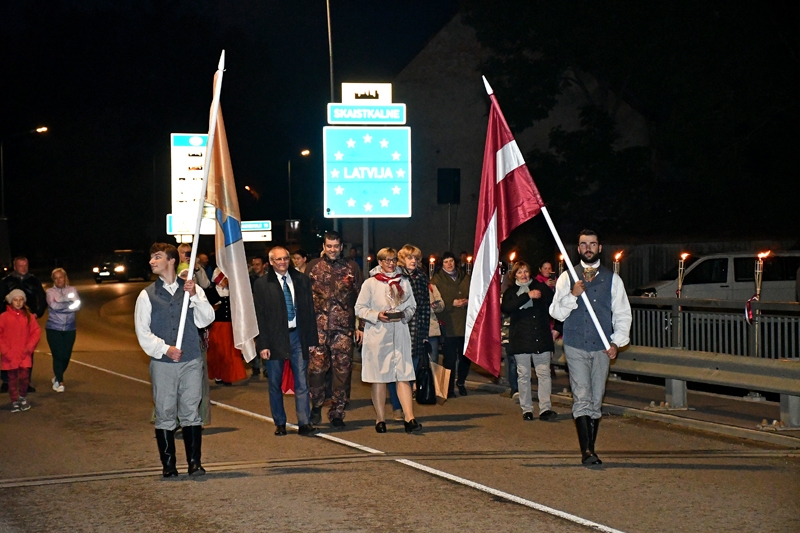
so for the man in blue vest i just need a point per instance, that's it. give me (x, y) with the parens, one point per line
(587, 359)
(176, 374)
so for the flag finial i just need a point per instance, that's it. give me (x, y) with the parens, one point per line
(221, 65)
(488, 87)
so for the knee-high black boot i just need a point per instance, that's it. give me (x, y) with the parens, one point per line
(594, 425)
(192, 441)
(583, 425)
(165, 438)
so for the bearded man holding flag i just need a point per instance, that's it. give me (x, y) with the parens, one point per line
(508, 198)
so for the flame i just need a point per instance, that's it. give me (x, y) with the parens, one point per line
(684, 256)
(560, 257)
(616, 257)
(432, 260)
(512, 256)
(762, 255)
(469, 259)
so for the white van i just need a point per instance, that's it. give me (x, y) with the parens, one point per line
(730, 277)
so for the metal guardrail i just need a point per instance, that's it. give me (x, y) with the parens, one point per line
(717, 326)
(679, 366)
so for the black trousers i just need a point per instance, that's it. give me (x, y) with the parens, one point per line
(454, 356)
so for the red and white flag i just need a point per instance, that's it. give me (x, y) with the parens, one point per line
(508, 198)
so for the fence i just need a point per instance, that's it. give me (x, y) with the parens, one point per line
(717, 326)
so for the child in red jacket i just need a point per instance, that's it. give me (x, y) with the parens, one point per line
(19, 335)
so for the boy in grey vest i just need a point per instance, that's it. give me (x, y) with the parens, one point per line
(587, 359)
(176, 374)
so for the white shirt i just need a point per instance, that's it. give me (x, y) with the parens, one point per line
(292, 322)
(564, 302)
(155, 346)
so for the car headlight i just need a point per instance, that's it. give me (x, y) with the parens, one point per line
(119, 268)
(96, 270)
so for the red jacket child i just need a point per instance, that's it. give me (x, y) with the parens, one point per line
(19, 335)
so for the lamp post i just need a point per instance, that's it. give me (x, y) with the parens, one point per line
(40, 129)
(304, 153)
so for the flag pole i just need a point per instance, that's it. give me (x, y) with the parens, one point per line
(558, 241)
(212, 126)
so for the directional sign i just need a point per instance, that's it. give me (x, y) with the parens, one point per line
(367, 114)
(367, 172)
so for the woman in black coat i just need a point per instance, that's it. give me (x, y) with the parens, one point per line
(527, 301)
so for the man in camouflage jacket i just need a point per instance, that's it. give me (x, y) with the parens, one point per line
(335, 283)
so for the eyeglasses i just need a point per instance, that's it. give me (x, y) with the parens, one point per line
(280, 258)
(390, 260)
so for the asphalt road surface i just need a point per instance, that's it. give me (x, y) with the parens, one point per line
(86, 460)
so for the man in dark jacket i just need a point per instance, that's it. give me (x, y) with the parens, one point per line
(287, 329)
(36, 300)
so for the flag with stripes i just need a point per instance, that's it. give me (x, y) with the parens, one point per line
(508, 198)
(231, 257)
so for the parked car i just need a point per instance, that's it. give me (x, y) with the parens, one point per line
(730, 277)
(123, 265)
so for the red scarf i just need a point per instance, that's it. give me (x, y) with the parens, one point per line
(383, 278)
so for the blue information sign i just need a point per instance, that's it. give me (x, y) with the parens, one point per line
(367, 172)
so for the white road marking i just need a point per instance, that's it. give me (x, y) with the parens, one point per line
(433, 471)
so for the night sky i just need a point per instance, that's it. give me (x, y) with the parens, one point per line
(112, 79)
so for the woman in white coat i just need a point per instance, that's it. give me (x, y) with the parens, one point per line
(386, 304)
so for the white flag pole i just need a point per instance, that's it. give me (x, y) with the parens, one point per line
(212, 126)
(564, 253)
(575, 277)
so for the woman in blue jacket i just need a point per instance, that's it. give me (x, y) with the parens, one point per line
(63, 302)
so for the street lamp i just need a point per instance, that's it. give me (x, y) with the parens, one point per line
(40, 129)
(304, 153)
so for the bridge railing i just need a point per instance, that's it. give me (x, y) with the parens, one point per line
(718, 326)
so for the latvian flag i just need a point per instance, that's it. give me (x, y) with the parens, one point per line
(508, 198)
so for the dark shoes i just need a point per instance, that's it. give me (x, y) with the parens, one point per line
(451, 394)
(306, 430)
(337, 423)
(527, 416)
(31, 388)
(316, 416)
(548, 415)
(412, 426)
(280, 430)
(380, 427)
(586, 435)
(193, 441)
(165, 439)
(462, 390)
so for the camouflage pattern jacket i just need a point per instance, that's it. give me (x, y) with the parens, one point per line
(334, 287)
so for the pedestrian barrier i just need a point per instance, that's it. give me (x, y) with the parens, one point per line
(679, 366)
(718, 326)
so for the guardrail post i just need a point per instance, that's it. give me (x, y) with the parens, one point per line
(790, 410)
(676, 329)
(675, 391)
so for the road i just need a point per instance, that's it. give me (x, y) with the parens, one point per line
(86, 460)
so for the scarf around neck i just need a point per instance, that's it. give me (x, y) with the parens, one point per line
(523, 288)
(393, 280)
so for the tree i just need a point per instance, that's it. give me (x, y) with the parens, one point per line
(716, 82)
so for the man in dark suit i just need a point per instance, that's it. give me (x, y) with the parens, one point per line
(287, 329)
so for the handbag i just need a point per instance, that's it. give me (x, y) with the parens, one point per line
(426, 388)
(441, 380)
(287, 383)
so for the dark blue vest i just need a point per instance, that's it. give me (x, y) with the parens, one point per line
(165, 318)
(579, 330)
